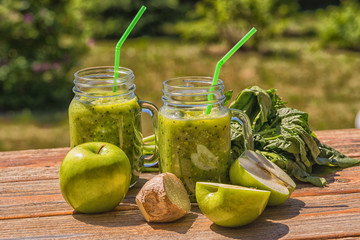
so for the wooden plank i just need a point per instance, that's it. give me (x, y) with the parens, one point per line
(23, 174)
(14, 164)
(329, 216)
(30, 201)
(346, 141)
(29, 192)
(43, 198)
(33, 158)
(341, 181)
(31, 198)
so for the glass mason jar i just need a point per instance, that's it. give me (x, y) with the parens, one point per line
(104, 110)
(193, 145)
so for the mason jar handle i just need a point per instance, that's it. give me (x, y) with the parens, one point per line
(243, 119)
(151, 109)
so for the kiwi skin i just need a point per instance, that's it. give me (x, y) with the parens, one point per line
(163, 199)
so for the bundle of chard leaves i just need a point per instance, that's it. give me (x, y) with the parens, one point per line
(282, 134)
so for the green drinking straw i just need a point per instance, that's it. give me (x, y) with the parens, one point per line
(121, 41)
(222, 61)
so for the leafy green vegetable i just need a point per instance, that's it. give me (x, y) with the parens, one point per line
(333, 158)
(228, 96)
(282, 134)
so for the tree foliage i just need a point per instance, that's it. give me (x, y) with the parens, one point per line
(215, 20)
(110, 18)
(340, 25)
(40, 42)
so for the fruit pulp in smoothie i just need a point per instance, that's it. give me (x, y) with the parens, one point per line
(113, 120)
(195, 148)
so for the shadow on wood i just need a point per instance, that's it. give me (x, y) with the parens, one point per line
(259, 229)
(181, 226)
(290, 209)
(112, 219)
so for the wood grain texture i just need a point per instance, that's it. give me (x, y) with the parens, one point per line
(300, 218)
(31, 205)
(346, 141)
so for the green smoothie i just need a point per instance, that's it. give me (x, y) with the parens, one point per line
(195, 147)
(113, 120)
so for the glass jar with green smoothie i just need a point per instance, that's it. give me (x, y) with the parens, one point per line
(193, 145)
(105, 109)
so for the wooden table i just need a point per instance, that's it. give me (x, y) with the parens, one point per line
(31, 205)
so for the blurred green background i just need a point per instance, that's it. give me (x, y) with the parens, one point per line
(309, 50)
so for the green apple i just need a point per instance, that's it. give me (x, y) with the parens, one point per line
(254, 170)
(230, 205)
(95, 177)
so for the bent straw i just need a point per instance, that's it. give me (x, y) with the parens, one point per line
(222, 61)
(121, 41)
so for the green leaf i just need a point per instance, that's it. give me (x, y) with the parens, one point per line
(256, 103)
(283, 135)
(276, 158)
(303, 176)
(228, 96)
(331, 157)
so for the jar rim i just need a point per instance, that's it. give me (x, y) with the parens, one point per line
(192, 79)
(83, 74)
(192, 91)
(102, 80)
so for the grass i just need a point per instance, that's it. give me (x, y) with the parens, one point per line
(25, 130)
(324, 83)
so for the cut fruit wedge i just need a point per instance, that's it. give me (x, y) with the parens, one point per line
(163, 199)
(254, 170)
(230, 205)
(272, 168)
(204, 159)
